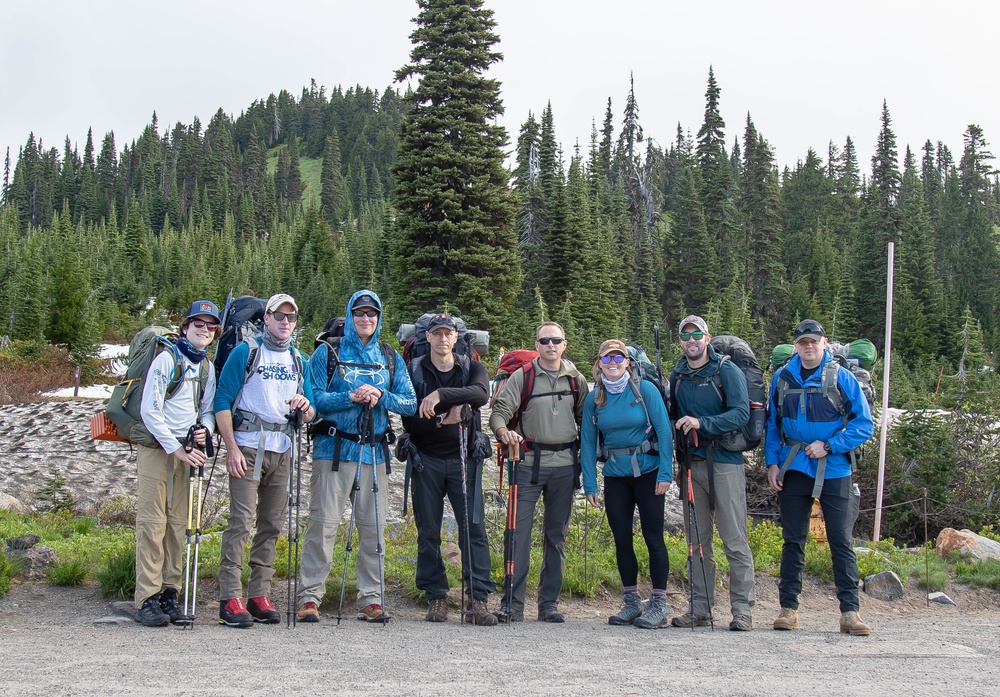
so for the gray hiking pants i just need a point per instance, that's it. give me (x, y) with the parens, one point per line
(730, 517)
(329, 496)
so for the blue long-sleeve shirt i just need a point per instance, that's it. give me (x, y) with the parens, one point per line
(623, 423)
(819, 421)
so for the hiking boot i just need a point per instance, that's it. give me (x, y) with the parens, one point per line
(851, 623)
(373, 613)
(263, 610)
(550, 614)
(169, 606)
(687, 620)
(437, 610)
(308, 612)
(741, 623)
(788, 619)
(233, 613)
(506, 616)
(150, 614)
(476, 613)
(655, 616)
(632, 607)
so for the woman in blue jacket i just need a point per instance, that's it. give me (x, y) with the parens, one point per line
(626, 423)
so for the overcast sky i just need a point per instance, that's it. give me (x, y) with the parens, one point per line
(807, 72)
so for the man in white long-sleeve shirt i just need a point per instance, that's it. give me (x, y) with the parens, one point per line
(161, 508)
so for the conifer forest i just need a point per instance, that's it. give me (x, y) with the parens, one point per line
(419, 195)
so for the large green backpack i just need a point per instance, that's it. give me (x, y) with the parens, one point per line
(126, 398)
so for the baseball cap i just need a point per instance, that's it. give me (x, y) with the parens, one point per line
(696, 321)
(203, 307)
(366, 300)
(442, 320)
(808, 329)
(612, 346)
(279, 299)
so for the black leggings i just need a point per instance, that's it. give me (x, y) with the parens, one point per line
(622, 495)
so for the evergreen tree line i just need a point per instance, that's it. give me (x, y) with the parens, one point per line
(605, 240)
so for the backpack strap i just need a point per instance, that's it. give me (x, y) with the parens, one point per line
(527, 388)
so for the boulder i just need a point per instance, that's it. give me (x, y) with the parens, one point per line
(884, 586)
(939, 597)
(967, 543)
(22, 542)
(452, 554)
(9, 503)
(38, 559)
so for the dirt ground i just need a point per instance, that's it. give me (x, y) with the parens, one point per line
(69, 641)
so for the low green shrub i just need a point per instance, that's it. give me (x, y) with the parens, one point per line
(67, 573)
(117, 577)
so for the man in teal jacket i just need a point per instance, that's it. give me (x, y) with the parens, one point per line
(710, 399)
(816, 417)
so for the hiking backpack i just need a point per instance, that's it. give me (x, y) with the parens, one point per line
(645, 370)
(243, 320)
(735, 349)
(858, 356)
(413, 338)
(123, 408)
(507, 363)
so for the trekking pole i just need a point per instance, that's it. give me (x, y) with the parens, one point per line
(691, 440)
(193, 533)
(368, 435)
(586, 540)
(513, 458)
(294, 491)
(463, 444)
(350, 530)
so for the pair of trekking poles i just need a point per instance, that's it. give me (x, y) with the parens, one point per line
(687, 442)
(366, 432)
(196, 500)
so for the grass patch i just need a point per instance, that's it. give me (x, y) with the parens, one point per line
(117, 578)
(984, 573)
(67, 573)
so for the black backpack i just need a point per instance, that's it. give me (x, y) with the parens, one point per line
(735, 349)
(244, 320)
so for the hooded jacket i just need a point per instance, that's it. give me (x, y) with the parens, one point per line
(331, 395)
(820, 420)
(698, 397)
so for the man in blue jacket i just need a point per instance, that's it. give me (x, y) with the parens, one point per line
(710, 398)
(817, 417)
(360, 382)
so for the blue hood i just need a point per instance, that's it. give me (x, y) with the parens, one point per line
(371, 350)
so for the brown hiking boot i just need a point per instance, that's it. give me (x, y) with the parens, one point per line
(851, 623)
(787, 619)
(373, 613)
(308, 612)
(477, 614)
(437, 610)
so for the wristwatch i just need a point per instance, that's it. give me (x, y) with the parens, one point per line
(827, 448)
(440, 420)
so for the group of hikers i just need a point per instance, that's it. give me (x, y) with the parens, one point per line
(545, 416)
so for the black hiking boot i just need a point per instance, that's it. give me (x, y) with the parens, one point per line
(632, 608)
(169, 606)
(150, 614)
(506, 616)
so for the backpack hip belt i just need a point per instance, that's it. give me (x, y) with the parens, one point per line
(647, 446)
(798, 445)
(330, 428)
(252, 422)
(537, 448)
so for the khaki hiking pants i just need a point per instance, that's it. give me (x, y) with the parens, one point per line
(160, 521)
(267, 500)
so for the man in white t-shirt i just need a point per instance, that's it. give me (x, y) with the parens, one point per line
(261, 383)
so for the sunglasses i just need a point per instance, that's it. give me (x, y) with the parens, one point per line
(687, 336)
(546, 340)
(616, 357)
(290, 316)
(202, 324)
(365, 313)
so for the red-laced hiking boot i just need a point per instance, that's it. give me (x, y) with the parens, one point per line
(308, 612)
(263, 610)
(373, 613)
(233, 613)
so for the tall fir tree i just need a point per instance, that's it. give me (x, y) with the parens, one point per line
(456, 243)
